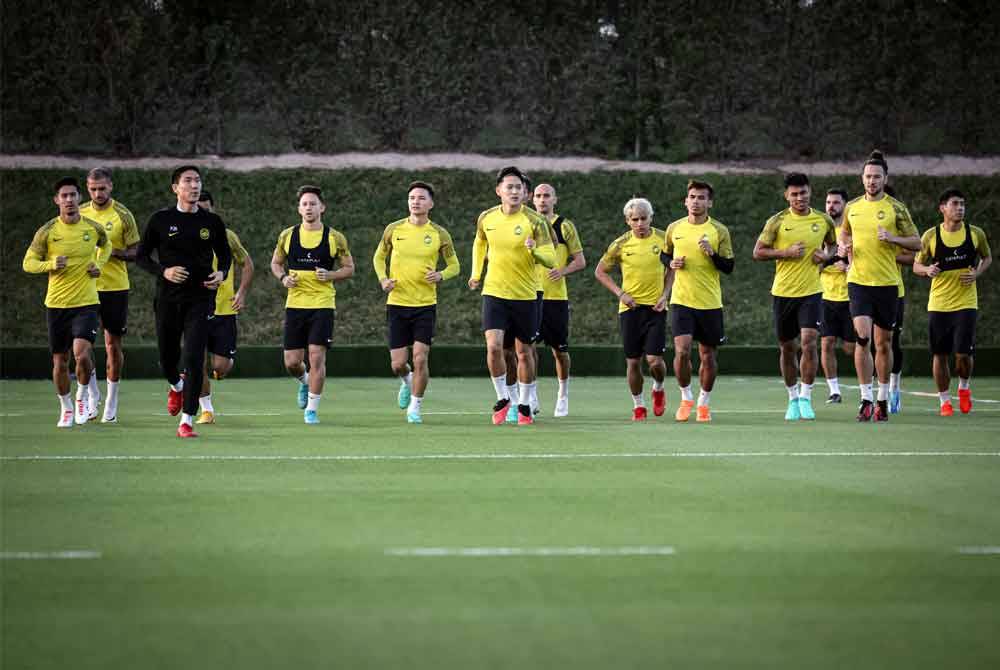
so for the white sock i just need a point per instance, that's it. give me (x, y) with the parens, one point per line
(81, 391)
(95, 393)
(112, 400)
(500, 384)
(834, 385)
(805, 391)
(313, 403)
(179, 386)
(524, 394)
(866, 392)
(637, 401)
(416, 402)
(66, 402)
(533, 393)
(883, 391)
(894, 380)
(944, 396)
(686, 393)
(564, 388)
(304, 379)
(657, 386)
(188, 419)
(963, 384)
(703, 398)
(513, 392)
(793, 391)
(206, 403)
(407, 379)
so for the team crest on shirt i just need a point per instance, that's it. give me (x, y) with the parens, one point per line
(815, 227)
(518, 230)
(427, 240)
(204, 234)
(86, 236)
(109, 225)
(881, 214)
(656, 250)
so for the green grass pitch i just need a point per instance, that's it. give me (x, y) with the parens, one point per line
(266, 543)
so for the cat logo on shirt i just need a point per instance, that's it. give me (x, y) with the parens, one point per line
(204, 234)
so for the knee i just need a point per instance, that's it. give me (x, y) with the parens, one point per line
(420, 360)
(495, 350)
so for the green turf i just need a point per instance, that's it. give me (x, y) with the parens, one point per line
(781, 560)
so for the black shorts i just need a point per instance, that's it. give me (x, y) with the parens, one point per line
(114, 311)
(792, 315)
(953, 332)
(222, 335)
(837, 321)
(508, 336)
(643, 330)
(900, 313)
(704, 325)
(877, 302)
(554, 330)
(308, 326)
(406, 325)
(71, 323)
(517, 317)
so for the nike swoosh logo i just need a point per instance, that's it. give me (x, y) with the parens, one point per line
(789, 228)
(400, 239)
(172, 234)
(491, 229)
(678, 237)
(211, 316)
(628, 253)
(232, 351)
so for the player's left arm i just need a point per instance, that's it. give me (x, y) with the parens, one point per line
(543, 250)
(985, 258)
(447, 252)
(577, 260)
(130, 234)
(243, 259)
(722, 258)
(343, 255)
(103, 251)
(908, 237)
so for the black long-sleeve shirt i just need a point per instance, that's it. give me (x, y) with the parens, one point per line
(187, 239)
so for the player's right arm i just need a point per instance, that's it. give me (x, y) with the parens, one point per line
(611, 258)
(923, 263)
(382, 253)
(278, 259)
(763, 249)
(35, 257)
(479, 249)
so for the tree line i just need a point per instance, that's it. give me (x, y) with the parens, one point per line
(647, 79)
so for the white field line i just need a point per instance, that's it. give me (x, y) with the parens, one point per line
(924, 394)
(236, 414)
(480, 552)
(49, 555)
(979, 551)
(509, 456)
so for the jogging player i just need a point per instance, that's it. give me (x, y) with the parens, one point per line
(698, 249)
(642, 302)
(72, 250)
(953, 254)
(113, 284)
(875, 227)
(303, 261)
(183, 238)
(411, 246)
(554, 329)
(836, 307)
(221, 349)
(513, 238)
(800, 239)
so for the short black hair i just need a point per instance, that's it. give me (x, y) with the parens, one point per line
(838, 191)
(949, 194)
(206, 196)
(308, 188)
(65, 181)
(176, 175)
(421, 184)
(509, 171)
(796, 179)
(877, 158)
(701, 186)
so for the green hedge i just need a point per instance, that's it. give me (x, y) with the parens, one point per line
(361, 202)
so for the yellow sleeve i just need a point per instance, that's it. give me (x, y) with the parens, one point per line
(239, 251)
(281, 248)
(831, 230)
(382, 252)
(613, 255)
(130, 231)
(904, 222)
(103, 246)
(479, 250)
(725, 243)
(452, 267)
(544, 250)
(573, 243)
(668, 241)
(338, 245)
(770, 231)
(926, 254)
(34, 258)
(982, 244)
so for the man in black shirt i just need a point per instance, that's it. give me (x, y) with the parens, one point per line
(183, 239)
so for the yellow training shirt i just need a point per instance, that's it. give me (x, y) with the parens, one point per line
(834, 281)
(947, 292)
(310, 293)
(797, 277)
(224, 294)
(642, 271)
(697, 284)
(570, 246)
(83, 243)
(874, 262)
(500, 240)
(412, 252)
(119, 224)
